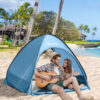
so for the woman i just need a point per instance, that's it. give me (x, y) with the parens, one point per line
(71, 81)
(67, 69)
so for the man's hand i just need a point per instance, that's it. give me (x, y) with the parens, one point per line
(47, 78)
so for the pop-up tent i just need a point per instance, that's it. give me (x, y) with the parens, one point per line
(21, 70)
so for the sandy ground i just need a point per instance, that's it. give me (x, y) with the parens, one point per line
(90, 64)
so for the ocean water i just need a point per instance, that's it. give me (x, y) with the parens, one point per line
(94, 52)
(93, 40)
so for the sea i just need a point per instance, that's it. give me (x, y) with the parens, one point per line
(93, 40)
(94, 52)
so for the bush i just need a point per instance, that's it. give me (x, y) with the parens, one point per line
(6, 43)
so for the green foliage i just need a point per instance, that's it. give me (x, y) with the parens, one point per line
(84, 28)
(67, 30)
(7, 48)
(81, 42)
(9, 44)
(94, 29)
(5, 37)
(23, 13)
(6, 43)
(19, 16)
(21, 44)
(44, 23)
(93, 33)
(1, 24)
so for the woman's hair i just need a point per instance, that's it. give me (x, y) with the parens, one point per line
(69, 66)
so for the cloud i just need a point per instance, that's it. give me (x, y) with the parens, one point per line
(13, 4)
(8, 4)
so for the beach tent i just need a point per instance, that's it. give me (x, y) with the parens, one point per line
(21, 70)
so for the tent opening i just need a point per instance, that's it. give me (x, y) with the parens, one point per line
(44, 59)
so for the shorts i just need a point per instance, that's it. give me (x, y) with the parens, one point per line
(49, 86)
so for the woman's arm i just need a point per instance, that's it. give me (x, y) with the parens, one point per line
(72, 70)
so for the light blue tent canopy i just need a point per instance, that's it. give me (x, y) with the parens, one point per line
(21, 70)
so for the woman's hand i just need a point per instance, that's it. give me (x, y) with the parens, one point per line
(68, 76)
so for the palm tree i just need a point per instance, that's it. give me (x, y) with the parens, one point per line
(5, 16)
(94, 29)
(93, 33)
(55, 25)
(30, 26)
(86, 29)
(57, 17)
(21, 16)
(81, 27)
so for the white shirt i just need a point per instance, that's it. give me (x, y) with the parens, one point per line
(56, 70)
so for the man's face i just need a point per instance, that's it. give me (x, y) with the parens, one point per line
(57, 61)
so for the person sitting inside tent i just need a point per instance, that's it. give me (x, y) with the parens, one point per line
(67, 68)
(58, 87)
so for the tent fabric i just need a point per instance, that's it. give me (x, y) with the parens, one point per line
(21, 70)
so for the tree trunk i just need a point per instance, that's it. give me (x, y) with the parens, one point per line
(19, 37)
(15, 36)
(55, 26)
(30, 26)
(57, 18)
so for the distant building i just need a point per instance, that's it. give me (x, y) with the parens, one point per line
(10, 31)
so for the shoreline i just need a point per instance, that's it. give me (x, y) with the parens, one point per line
(83, 45)
(80, 50)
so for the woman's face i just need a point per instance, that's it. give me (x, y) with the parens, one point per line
(65, 63)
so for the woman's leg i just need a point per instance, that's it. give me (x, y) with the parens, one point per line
(76, 87)
(59, 90)
(75, 84)
(70, 86)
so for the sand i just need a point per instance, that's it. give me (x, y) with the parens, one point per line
(91, 66)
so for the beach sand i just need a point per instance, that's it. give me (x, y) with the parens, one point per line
(91, 66)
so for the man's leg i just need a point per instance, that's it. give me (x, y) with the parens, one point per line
(76, 87)
(59, 90)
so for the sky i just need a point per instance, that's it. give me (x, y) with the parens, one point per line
(86, 12)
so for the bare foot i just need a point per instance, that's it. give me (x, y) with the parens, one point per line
(85, 98)
(81, 86)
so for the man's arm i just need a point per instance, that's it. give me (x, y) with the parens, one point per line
(42, 69)
(37, 73)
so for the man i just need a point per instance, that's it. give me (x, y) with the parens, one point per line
(59, 86)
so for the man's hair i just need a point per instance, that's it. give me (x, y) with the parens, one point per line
(56, 56)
